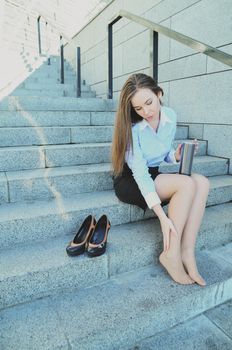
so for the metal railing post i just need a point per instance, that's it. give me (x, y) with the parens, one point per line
(110, 61)
(110, 56)
(78, 67)
(48, 46)
(155, 56)
(39, 35)
(61, 61)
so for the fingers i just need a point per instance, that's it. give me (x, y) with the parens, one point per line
(166, 241)
(173, 229)
(178, 152)
(167, 231)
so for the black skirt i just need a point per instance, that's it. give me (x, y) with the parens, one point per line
(127, 190)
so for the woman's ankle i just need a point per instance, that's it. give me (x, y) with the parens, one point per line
(172, 253)
(190, 250)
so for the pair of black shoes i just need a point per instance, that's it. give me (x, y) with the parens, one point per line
(91, 237)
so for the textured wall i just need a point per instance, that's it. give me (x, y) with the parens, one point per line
(18, 31)
(19, 41)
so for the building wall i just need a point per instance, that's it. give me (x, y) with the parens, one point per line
(196, 86)
(19, 42)
(19, 36)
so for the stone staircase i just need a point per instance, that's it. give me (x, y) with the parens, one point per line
(45, 81)
(54, 171)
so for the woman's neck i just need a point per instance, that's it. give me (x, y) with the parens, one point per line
(155, 124)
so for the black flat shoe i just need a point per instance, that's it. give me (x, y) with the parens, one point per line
(78, 244)
(97, 242)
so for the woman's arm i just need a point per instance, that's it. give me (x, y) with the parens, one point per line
(158, 210)
(138, 165)
(167, 226)
(171, 156)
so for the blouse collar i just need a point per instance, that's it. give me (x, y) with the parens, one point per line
(163, 120)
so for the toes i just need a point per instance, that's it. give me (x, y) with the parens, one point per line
(185, 280)
(199, 280)
(191, 281)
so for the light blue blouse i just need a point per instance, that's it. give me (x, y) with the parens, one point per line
(150, 149)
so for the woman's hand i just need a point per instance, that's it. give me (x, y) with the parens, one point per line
(167, 228)
(178, 150)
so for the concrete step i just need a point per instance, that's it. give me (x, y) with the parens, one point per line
(44, 74)
(47, 183)
(52, 85)
(92, 134)
(66, 118)
(54, 68)
(56, 63)
(40, 220)
(25, 103)
(47, 74)
(118, 313)
(52, 93)
(45, 68)
(209, 330)
(70, 79)
(63, 118)
(49, 156)
(55, 58)
(30, 136)
(47, 261)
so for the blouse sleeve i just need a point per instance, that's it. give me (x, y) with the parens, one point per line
(139, 168)
(170, 157)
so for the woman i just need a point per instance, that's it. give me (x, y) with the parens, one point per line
(143, 136)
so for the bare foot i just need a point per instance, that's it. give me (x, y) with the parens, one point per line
(175, 268)
(189, 262)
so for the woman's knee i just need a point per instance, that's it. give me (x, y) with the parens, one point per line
(169, 184)
(188, 185)
(202, 183)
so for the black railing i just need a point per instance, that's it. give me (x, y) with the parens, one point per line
(49, 60)
(78, 59)
(39, 35)
(61, 60)
(39, 39)
(155, 43)
(159, 29)
(110, 56)
(78, 68)
(61, 50)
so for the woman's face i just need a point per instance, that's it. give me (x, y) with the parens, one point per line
(146, 104)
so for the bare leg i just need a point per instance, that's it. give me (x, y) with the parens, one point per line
(180, 190)
(192, 227)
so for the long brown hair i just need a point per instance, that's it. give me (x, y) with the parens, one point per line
(126, 116)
